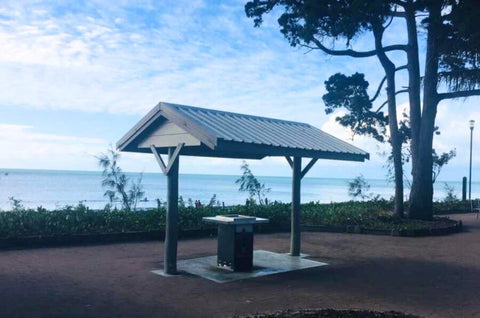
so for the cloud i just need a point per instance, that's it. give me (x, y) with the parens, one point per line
(22, 145)
(103, 58)
(124, 57)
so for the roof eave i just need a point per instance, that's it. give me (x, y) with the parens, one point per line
(163, 109)
(152, 115)
(278, 151)
(189, 125)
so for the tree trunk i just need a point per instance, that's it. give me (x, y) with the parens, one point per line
(413, 66)
(395, 140)
(421, 195)
(396, 143)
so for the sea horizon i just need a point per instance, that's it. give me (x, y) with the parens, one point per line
(53, 189)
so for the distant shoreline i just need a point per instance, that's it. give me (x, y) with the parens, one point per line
(98, 172)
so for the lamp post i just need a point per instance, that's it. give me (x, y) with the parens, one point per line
(472, 125)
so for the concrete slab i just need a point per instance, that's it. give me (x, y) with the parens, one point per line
(264, 263)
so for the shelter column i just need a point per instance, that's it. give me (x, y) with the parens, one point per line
(171, 226)
(295, 236)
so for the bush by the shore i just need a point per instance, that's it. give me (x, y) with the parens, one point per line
(370, 215)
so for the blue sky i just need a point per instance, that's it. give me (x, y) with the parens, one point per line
(76, 75)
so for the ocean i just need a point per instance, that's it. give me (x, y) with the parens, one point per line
(55, 189)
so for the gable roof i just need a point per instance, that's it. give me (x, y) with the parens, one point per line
(233, 135)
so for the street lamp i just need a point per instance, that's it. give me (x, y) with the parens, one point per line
(472, 125)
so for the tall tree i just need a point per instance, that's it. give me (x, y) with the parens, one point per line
(452, 70)
(451, 63)
(311, 23)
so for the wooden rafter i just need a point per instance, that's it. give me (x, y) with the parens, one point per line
(307, 167)
(290, 161)
(166, 168)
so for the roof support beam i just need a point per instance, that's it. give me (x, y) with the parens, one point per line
(297, 175)
(295, 233)
(171, 222)
(308, 167)
(289, 160)
(171, 157)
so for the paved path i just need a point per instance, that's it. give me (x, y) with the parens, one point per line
(433, 277)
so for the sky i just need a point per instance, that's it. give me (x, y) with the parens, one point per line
(75, 76)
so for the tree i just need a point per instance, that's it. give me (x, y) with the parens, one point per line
(249, 183)
(452, 70)
(438, 161)
(358, 187)
(117, 183)
(16, 204)
(450, 191)
(451, 63)
(310, 23)
(350, 93)
(213, 201)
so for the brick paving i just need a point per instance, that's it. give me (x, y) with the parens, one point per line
(427, 276)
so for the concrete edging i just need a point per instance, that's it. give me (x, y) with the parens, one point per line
(357, 229)
(36, 241)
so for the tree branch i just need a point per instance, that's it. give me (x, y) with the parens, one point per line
(403, 67)
(459, 94)
(386, 102)
(396, 14)
(409, 4)
(391, 19)
(352, 53)
(400, 3)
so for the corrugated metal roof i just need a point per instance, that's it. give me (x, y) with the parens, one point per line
(247, 129)
(262, 130)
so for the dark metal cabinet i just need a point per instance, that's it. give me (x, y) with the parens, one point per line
(235, 240)
(235, 247)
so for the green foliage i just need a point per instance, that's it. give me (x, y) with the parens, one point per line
(460, 46)
(213, 201)
(440, 161)
(451, 206)
(450, 197)
(358, 188)
(16, 204)
(350, 92)
(249, 183)
(77, 220)
(453, 59)
(303, 22)
(345, 213)
(116, 182)
(181, 202)
(80, 219)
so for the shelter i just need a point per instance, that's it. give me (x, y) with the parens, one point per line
(191, 131)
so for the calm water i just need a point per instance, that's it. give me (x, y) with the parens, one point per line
(52, 189)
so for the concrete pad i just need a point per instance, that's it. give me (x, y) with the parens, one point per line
(264, 263)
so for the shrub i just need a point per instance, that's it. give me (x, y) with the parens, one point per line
(249, 183)
(80, 219)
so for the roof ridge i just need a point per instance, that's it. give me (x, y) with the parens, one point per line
(195, 108)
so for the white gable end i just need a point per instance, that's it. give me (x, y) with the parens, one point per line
(169, 135)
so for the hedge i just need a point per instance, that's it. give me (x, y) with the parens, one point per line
(82, 220)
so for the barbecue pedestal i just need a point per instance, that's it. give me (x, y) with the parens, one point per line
(235, 241)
